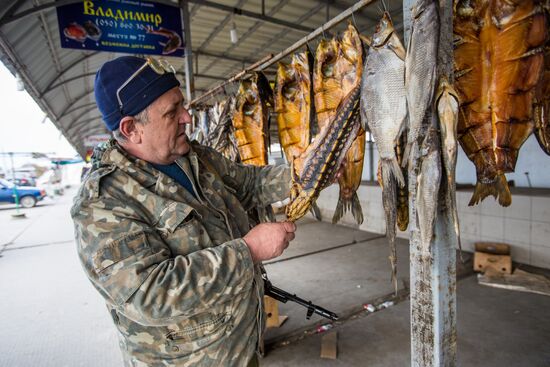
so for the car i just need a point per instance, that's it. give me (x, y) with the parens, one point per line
(25, 181)
(28, 195)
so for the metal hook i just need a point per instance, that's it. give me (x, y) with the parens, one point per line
(384, 5)
(353, 19)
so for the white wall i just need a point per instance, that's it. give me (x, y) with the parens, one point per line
(531, 159)
(525, 225)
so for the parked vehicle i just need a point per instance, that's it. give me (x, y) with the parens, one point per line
(25, 181)
(28, 195)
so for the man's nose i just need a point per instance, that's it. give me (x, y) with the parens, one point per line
(185, 117)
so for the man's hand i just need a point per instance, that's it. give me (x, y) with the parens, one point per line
(268, 240)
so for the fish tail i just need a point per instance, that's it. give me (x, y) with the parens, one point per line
(356, 208)
(316, 212)
(498, 189)
(344, 205)
(391, 167)
(406, 153)
(454, 214)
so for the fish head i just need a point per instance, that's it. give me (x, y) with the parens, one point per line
(351, 45)
(283, 71)
(327, 53)
(384, 29)
(301, 65)
(263, 87)
(300, 202)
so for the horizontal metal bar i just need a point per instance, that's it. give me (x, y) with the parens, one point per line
(230, 80)
(319, 31)
(263, 65)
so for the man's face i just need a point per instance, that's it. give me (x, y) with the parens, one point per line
(163, 136)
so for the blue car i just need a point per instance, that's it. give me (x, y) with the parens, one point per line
(28, 195)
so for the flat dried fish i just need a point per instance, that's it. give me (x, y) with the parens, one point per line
(383, 100)
(447, 110)
(420, 68)
(498, 63)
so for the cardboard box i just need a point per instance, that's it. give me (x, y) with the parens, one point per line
(492, 255)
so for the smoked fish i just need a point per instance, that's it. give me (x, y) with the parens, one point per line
(250, 120)
(498, 63)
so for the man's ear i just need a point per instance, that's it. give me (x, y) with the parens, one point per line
(129, 128)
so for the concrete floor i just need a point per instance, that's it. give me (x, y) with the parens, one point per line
(51, 315)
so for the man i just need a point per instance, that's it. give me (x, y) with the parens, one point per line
(162, 229)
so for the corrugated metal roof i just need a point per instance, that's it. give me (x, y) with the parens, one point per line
(61, 80)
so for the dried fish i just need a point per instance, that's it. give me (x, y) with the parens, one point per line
(293, 105)
(250, 120)
(428, 181)
(336, 81)
(383, 101)
(402, 191)
(542, 98)
(351, 180)
(323, 157)
(389, 202)
(498, 63)
(420, 67)
(447, 110)
(327, 89)
(222, 136)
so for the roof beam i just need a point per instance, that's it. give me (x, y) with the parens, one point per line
(66, 81)
(249, 14)
(219, 28)
(69, 67)
(16, 4)
(210, 4)
(79, 107)
(75, 101)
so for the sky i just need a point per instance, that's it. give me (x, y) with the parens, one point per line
(22, 125)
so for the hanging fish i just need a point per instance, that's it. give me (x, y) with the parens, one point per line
(498, 63)
(347, 68)
(350, 180)
(447, 110)
(327, 89)
(420, 67)
(389, 202)
(337, 78)
(323, 157)
(402, 191)
(427, 184)
(250, 120)
(222, 137)
(542, 98)
(293, 105)
(383, 100)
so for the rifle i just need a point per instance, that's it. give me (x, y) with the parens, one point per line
(283, 296)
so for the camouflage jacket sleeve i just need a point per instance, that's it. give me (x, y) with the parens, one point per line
(133, 268)
(254, 186)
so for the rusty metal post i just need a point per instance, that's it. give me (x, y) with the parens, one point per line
(189, 77)
(433, 270)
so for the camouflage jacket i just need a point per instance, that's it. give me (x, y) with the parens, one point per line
(177, 277)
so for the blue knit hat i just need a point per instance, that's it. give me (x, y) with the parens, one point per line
(139, 93)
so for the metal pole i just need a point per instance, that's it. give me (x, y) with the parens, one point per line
(189, 80)
(433, 269)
